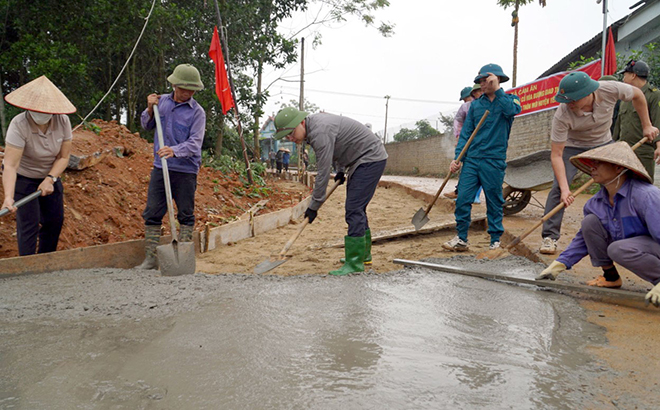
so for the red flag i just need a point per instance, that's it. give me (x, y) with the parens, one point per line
(610, 55)
(222, 88)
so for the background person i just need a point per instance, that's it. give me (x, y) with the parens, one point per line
(621, 223)
(351, 145)
(183, 121)
(628, 126)
(582, 122)
(285, 159)
(37, 151)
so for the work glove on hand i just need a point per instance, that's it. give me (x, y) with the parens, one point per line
(552, 271)
(653, 296)
(310, 214)
(340, 177)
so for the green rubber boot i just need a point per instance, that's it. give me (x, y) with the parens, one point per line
(186, 233)
(367, 248)
(151, 241)
(354, 250)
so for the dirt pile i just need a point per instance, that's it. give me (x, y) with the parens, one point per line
(103, 203)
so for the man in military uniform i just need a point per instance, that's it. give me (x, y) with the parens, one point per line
(628, 126)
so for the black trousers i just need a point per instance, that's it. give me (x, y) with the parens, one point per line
(359, 191)
(183, 193)
(42, 218)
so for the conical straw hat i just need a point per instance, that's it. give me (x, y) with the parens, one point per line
(41, 95)
(618, 153)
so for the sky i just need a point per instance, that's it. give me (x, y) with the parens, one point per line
(437, 48)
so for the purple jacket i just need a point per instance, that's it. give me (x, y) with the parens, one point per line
(635, 213)
(183, 129)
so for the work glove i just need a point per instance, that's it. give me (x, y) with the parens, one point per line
(310, 214)
(653, 296)
(340, 177)
(552, 271)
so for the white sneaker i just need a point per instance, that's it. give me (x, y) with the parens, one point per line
(494, 245)
(549, 246)
(456, 245)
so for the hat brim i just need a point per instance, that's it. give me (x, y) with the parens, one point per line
(579, 94)
(172, 79)
(41, 95)
(291, 125)
(503, 78)
(584, 161)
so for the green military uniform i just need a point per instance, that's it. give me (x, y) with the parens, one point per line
(628, 126)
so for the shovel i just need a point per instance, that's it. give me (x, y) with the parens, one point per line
(22, 201)
(176, 258)
(421, 217)
(275, 261)
(503, 252)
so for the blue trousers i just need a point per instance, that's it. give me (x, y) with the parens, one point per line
(489, 173)
(359, 191)
(183, 193)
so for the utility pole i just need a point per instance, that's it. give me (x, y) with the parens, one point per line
(301, 104)
(387, 102)
(602, 55)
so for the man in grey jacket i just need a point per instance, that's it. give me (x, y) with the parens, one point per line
(353, 147)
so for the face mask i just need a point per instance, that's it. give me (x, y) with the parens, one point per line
(40, 118)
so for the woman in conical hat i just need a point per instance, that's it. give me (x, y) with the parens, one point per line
(621, 223)
(37, 151)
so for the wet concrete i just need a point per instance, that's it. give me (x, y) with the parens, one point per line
(413, 338)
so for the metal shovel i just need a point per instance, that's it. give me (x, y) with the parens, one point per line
(176, 258)
(22, 201)
(275, 261)
(421, 216)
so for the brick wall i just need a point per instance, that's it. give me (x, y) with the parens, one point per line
(431, 156)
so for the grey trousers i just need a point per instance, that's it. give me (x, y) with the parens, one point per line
(640, 255)
(552, 227)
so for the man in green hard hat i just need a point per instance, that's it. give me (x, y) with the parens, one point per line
(582, 122)
(628, 126)
(183, 121)
(354, 149)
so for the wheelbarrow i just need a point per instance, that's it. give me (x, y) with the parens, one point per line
(524, 176)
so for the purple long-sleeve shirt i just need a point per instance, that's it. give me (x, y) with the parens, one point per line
(635, 213)
(183, 131)
(459, 118)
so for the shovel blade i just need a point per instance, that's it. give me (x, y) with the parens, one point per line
(420, 219)
(269, 264)
(176, 258)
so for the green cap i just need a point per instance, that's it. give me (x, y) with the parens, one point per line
(491, 68)
(575, 86)
(608, 78)
(186, 76)
(465, 93)
(286, 120)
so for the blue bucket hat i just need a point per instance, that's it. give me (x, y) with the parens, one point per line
(465, 93)
(491, 68)
(575, 86)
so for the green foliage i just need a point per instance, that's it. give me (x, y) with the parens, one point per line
(574, 65)
(423, 129)
(447, 122)
(308, 106)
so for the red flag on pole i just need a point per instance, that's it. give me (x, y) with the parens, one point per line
(222, 88)
(610, 55)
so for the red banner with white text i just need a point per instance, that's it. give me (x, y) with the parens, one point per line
(540, 94)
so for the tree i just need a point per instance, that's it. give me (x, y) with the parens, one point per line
(308, 106)
(514, 23)
(423, 129)
(447, 122)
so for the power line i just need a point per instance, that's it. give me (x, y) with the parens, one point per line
(380, 97)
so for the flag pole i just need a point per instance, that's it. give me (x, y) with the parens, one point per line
(602, 57)
(225, 50)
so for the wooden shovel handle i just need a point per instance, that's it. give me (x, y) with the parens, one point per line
(304, 224)
(562, 205)
(460, 157)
